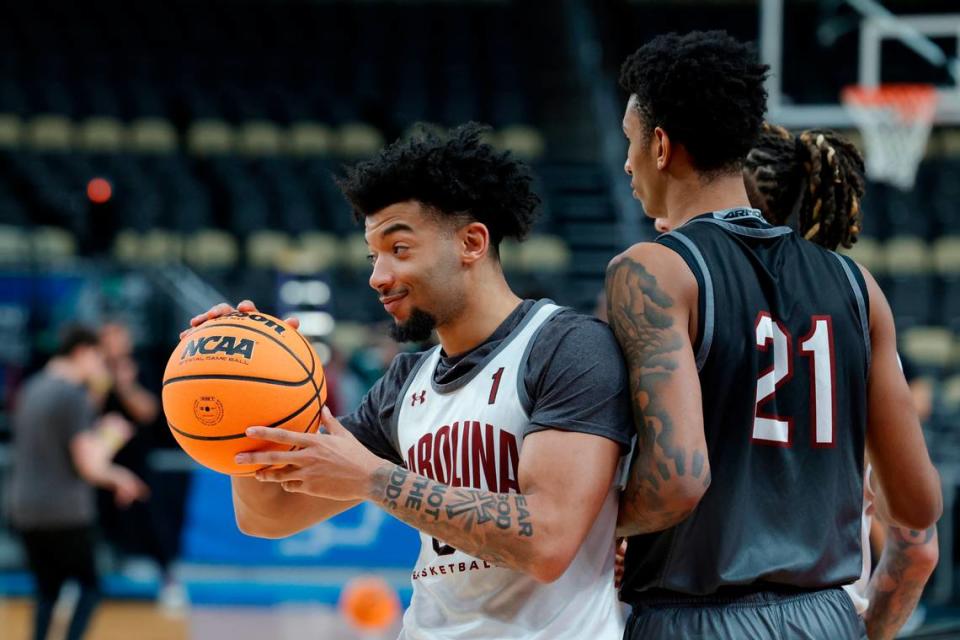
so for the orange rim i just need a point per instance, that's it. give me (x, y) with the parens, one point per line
(911, 101)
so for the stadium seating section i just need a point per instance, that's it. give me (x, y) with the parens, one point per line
(219, 126)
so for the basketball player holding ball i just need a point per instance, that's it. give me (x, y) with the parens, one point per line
(501, 444)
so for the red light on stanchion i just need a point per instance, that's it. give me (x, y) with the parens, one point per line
(99, 190)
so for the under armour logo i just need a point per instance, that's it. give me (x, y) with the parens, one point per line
(418, 397)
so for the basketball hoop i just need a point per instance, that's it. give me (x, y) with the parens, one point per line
(895, 120)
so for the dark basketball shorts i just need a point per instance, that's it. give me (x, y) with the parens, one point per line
(810, 615)
(57, 555)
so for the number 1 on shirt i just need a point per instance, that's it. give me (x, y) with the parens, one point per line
(496, 386)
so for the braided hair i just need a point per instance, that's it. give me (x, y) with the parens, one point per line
(817, 175)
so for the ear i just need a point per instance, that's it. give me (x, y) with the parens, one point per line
(474, 242)
(663, 148)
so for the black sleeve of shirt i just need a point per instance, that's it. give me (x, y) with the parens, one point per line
(576, 379)
(372, 420)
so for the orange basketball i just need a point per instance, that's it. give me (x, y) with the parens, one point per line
(369, 604)
(238, 371)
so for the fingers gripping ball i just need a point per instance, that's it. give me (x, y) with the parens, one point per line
(369, 604)
(240, 370)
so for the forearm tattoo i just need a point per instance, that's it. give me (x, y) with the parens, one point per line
(496, 527)
(637, 313)
(897, 584)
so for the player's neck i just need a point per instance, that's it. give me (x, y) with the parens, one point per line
(693, 197)
(486, 309)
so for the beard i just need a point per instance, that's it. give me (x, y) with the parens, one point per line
(418, 327)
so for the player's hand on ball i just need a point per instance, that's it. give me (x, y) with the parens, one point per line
(328, 464)
(222, 309)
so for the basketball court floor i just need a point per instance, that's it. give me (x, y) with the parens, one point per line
(142, 620)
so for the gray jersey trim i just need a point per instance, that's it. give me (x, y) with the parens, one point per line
(522, 394)
(394, 426)
(770, 232)
(706, 340)
(861, 304)
(464, 379)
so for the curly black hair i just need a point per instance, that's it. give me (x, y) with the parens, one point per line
(455, 174)
(705, 89)
(818, 174)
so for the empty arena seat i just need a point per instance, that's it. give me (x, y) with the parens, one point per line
(310, 138)
(510, 255)
(11, 131)
(259, 138)
(210, 249)
(152, 135)
(14, 245)
(210, 137)
(930, 348)
(50, 132)
(126, 247)
(909, 282)
(543, 253)
(300, 261)
(159, 246)
(948, 304)
(946, 256)
(101, 134)
(905, 255)
(354, 252)
(358, 140)
(265, 246)
(324, 248)
(868, 253)
(524, 141)
(52, 245)
(946, 259)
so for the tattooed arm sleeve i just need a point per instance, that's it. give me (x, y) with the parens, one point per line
(907, 561)
(649, 302)
(564, 478)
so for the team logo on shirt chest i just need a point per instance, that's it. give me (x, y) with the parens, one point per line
(419, 397)
(468, 453)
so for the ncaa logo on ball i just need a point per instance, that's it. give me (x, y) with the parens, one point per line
(227, 346)
(208, 410)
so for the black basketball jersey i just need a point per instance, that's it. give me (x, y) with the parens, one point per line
(783, 351)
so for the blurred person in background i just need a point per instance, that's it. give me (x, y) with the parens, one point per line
(142, 527)
(61, 451)
(126, 395)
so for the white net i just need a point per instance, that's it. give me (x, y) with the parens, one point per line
(895, 121)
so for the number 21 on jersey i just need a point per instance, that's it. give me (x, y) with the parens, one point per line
(817, 345)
